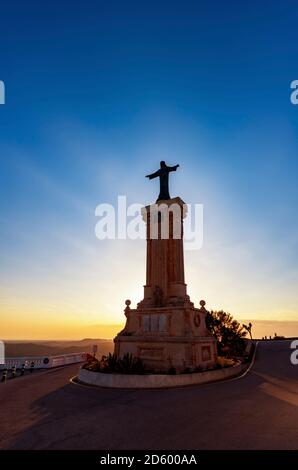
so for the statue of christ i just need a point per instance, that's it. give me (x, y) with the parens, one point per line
(163, 174)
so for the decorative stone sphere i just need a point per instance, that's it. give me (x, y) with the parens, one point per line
(202, 303)
(127, 302)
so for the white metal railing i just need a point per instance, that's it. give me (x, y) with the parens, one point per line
(43, 362)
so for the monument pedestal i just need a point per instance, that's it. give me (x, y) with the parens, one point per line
(165, 330)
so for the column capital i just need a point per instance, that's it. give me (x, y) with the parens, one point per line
(167, 204)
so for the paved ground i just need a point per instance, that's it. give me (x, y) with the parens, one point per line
(258, 411)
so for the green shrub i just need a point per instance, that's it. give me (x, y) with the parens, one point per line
(228, 332)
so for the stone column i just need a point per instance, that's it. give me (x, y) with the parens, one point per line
(164, 260)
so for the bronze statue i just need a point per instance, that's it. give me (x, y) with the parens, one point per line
(163, 174)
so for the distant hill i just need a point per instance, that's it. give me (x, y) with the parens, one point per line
(52, 348)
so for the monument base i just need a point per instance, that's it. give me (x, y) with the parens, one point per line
(166, 354)
(168, 338)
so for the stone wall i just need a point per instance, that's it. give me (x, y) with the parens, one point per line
(100, 379)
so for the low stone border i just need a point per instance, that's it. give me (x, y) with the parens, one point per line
(100, 379)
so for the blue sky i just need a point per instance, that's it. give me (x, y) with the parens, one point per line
(97, 93)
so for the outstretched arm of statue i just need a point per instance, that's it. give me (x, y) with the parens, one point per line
(173, 168)
(153, 175)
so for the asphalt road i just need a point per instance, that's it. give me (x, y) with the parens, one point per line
(258, 411)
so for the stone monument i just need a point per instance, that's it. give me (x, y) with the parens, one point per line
(166, 330)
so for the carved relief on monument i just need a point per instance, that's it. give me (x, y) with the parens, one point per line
(154, 323)
(151, 353)
(158, 297)
(206, 353)
(162, 323)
